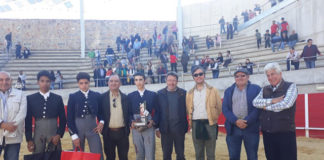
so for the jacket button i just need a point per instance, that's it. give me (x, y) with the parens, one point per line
(43, 116)
(83, 110)
(45, 108)
(85, 102)
(44, 112)
(82, 116)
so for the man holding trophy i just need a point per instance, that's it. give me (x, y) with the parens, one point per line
(141, 103)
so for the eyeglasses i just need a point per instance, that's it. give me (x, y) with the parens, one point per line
(241, 76)
(198, 74)
(114, 103)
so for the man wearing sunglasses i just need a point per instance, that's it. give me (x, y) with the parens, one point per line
(204, 106)
(114, 107)
(242, 122)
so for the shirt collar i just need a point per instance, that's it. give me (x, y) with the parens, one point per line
(276, 87)
(85, 93)
(141, 92)
(45, 95)
(6, 94)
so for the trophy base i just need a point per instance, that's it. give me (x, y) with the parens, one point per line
(140, 124)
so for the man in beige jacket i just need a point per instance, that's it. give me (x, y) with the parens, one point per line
(204, 106)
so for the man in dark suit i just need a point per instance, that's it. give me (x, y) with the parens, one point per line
(82, 111)
(171, 116)
(45, 107)
(115, 110)
(143, 137)
(96, 76)
(101, 76)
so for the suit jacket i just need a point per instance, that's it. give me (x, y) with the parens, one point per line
(54, 109)
(76, 105)
(104, 108)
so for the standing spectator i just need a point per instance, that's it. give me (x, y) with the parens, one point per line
(173, 62)
(284, 40)
(161, 72)
(114, 107)
(164, 60)
(97, 53)
(118, 42)
(293, 39)
(123, 74)
(165, 33)
(245, 15)
(309, 54)
(192, 45)
(130, 74)
(276, 41)
(274, 28)
(47, 109)
(185, 42)
(235, 24)
(242, 118)
(22, 77)
(172, 117)
(154, 36)
(267, 39)
(218, 40)
(228, 59)
(52, 78)
(292, 58)
(222, 25)
(204, 106)
(284, 27)
(19, 84)
(184, 61)
(8, 39)
(277, 118)
(214, 67)
(101, 76)
(18, 50)
(258, 37)
(13, 107)
(273, 3)
(143, 137)
(137, 47)
(92, 56)
(59, 79)
(149, 47)
(110, 54)
(82, 115)
(249, 66)
(95, 76)
(257, 8)
(175, 31)
(229, 31)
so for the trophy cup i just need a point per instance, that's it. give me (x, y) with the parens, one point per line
(141, 120)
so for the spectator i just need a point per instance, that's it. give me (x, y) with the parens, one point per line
(154, 36)
(267, 38)
(161, 72)
(149, 47)
(143, 43)
(251, 14)
(276, 41)
(258, 37)
(165, 33)
(164, 60)
(274, 28)
(22, 77)
(130, 74)
(196, 62)
(292, 58)
(273, 3)
(218, 40)
(101, 76)
(137, 47)
(257, 8)
(118, 42)
(214, 67)
(293, 39)
(175, 31)
(309, 54)
(173, 62)
(220, 58)
(192, 45)
(92, 56)
(108, 74)
(122, 44)
(228, 59)
(8, 38)
(184, 61)
(96, 76)
(205, 62)
(110, 54)
(19, 84)
(140, 68)
(222, 25)
(239, 66)
(249, 66)
(138, 37)
(123, 74)
(52, 78)
(150, 74)
(185, 42)
(229, 31)
(59, 79)
(284, 40)
(209, 42)
(18, 50)
(26, 52)
(284, 27)
(97, 53)
(235, 24)
(245, 15)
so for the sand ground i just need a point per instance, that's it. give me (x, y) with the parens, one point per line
(308, 148)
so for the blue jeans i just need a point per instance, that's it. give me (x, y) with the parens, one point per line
(274, 45)
(11, 151)
(109, 59)
(292, 43)
(310, 64)
(223, 28)
(215, 73)
(250, 140)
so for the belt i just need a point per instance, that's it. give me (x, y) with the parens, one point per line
(116, 129)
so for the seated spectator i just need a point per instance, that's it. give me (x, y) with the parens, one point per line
(251, 14)
(276, 42)
(205, 62)
(273, 2)
(209, 42)
(108, 74)
(239, 66)
(228, 59)
(59, 79)
(293, 39)
(19, 84)
(214, 67)
(110, 54)
(220, 58)
(150, 74)
(22, 77)
(292, 58)
(249, 66)
(218, 40)
(257, 8)
(26, 52)
(124, 61)
(52, 78)
(97, 54)
(140, 68)
(196, 62)
(161, 72)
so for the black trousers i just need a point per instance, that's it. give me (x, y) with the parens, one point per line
(280, 146)
(167, 141)
(267, 44)
(185, 68)
(229, 35)
(113, 139)
(258, 43)
(174, 67)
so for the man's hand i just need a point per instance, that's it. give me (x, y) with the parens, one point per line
(158, 133)
(76, 143)
(30, 146)
(10, 126)
(55, 139)
(99, 128)
(133, 125)
(276, 100)
(150, 124)
(241, 123)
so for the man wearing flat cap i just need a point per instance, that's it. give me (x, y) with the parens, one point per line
(204, 106)
(242, 122)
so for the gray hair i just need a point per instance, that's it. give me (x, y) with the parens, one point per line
(6, 73)
(272, 66)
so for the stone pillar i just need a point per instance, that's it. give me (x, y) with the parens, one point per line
(82, 29)
(179, 23)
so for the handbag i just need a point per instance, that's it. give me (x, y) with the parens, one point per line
(46, 155)
(74, 155)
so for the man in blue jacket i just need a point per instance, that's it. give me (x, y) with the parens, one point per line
(242, 122)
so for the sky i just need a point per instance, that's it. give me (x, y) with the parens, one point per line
(157, 10)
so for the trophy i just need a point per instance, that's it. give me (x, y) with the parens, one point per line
(141, 120)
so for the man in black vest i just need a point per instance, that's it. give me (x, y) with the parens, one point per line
(277, 119)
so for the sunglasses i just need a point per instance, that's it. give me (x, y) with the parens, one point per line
(198, 74)
(240, 76)
(114, 102)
